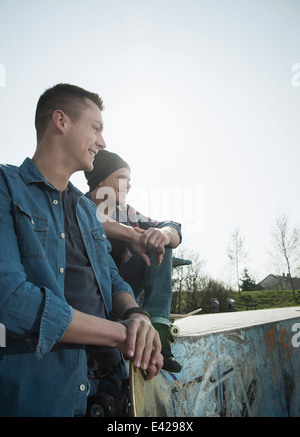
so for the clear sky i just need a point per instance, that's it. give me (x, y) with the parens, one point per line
(200, 100)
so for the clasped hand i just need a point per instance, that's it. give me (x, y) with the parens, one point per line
(153, 240)
(142, 345)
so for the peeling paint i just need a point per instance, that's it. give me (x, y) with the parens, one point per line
(247, 372)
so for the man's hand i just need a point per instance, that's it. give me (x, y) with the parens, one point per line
(138, 244)
(142, 241)
(153, 240)
(142, 344)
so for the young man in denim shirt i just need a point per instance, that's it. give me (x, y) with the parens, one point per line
(58, 283)
(109, 183)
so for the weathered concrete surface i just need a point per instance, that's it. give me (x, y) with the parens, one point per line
(236, 364)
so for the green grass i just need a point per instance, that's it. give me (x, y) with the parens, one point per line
(266, 299)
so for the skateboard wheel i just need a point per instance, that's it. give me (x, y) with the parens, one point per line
(102, 405)
(97, 410)
(174, 331)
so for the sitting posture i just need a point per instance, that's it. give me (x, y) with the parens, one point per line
(150, 274)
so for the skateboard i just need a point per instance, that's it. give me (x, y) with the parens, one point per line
(148, 398)
(174, 330)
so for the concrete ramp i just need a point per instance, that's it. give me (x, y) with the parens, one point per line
(237, 364)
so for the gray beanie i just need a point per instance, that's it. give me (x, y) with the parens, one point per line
(105, 163)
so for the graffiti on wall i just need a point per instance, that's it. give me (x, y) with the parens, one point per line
(226, 385)
(247, 372)
(285, 340)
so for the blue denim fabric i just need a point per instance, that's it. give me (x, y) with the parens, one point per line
(38, 375)
(154, 281)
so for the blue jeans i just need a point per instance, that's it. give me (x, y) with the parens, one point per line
(155, 282)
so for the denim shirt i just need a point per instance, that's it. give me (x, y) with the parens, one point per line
(38, 375)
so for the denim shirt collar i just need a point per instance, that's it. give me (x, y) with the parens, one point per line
(31, 174)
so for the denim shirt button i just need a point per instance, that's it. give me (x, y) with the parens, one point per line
(82, 387)
(61, 270)
(55, 202)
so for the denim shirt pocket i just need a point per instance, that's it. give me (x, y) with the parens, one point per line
(101, 246)
(32, 232)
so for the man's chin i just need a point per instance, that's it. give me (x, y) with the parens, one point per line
(90, 167)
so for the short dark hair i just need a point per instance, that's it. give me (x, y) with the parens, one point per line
(68, 98)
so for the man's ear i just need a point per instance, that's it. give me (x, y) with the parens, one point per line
(59, 119)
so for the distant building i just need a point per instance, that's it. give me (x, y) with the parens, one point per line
(276, 282)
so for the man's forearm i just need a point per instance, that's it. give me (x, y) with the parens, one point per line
(126, 233)
(87, 329)
(119, 231)
(121, 303)
(172, 234)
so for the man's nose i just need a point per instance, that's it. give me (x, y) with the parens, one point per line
(100, 142)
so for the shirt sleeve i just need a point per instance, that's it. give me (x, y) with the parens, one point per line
(27, 311)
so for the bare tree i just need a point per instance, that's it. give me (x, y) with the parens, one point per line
(286, 242)
(236, 253)
(193, 289)
(185, 278)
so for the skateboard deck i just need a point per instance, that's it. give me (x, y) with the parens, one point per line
(174, 329)
(148, 398)
(181, 316)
